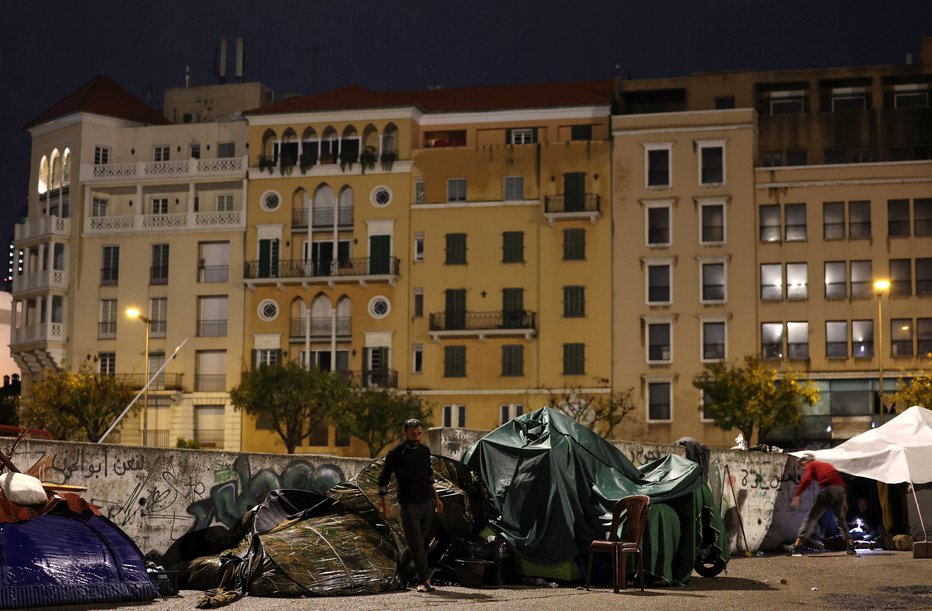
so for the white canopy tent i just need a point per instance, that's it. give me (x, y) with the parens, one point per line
(898, 451)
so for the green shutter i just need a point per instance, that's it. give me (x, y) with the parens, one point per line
(513, 247)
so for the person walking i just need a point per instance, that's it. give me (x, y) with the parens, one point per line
(409, 462)
(832, 495)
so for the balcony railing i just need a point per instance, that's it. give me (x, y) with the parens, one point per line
(209, 438)
(158, 274)
(303, 269)
(321, 326)
(43, 332)
(164, 381)
(158, 438)
(157, 328)
(48, 279)
(45, 226)
(106, 330)
(187, 168)
(210, 382)
(212, 328)
(501, 322)
(380, 378)
(322, 217)
(585, 205)
(213, 273)
(186, 221)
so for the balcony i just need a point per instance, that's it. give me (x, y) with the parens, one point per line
(182, 221)
(381, 378)
(212, 328)
(209, 438)
(213, 273)
(483, 324)
(37, 281)
(164, 381)
(322, 217)
(321, 327)
(210, 382)
(43, 227)
(362, 270)
(187, 169)
(563, 208)
(42, 332)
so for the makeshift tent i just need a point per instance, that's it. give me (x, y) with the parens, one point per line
(553, 483)
(895, 452)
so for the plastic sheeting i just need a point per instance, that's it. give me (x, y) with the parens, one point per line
(554, 482)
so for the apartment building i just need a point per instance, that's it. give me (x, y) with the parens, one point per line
(754, 212)
(449, 242)
(128, 210)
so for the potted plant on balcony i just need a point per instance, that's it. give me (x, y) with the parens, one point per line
(367, 158)
(266, 163)
(387, 159)
(347, 158)
(308, 160)
(287, 164)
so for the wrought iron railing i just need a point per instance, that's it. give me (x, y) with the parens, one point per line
(321, 326)
(210, 382)
(482, 321)
(585, 202)
(211, 328)
(301, 268)
(164, 381)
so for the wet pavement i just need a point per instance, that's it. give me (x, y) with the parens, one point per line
(875, 579)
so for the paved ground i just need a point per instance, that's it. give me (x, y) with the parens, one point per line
(873, 580)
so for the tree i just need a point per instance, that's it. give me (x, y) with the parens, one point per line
(76, 405)
(914, 391)
(752, 395)
(602, 413)
(288, 398)
(375, 415)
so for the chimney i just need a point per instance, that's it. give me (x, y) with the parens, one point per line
(240, 58)
(222, 68)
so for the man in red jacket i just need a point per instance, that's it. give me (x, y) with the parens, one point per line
(832, 495)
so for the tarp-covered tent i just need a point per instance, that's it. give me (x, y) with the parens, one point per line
(897, 451)
(554, 482)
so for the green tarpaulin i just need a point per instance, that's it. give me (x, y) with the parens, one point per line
(553, 483)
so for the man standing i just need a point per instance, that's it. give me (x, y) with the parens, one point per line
(409, 461)
(832, 495)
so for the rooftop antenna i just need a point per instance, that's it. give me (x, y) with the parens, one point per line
(240, 58)
(222, 66)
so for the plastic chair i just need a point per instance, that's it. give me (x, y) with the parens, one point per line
(636, 508)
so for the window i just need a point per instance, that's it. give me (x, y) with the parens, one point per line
(724, 102)
(110, 268)
(711, 164)
(833, 220)
(99, 207)
(106, 328)
(771, 340)
(658, 164)
(267, 310)
(581, 132)
(849, 98)
(786, 102)
(379, 307)
(797, 340)
(454, 361)
(513, 247)
(513, 314)
(525, 135)
(658, 225)
(454, 416)
(212, 316)
(574, 244)
(195, 151)
(225, 202)
(659, 342)
(210, 370)
(658, 284)
(267, 356)
(922, 217)
(106, 363)
(213, 261)
(659, 404)
(574, 301)
(859, 220)
(911, 96)
(797, 158)
(923, 336)
(771, 282)
(456, 190)
(861, 283)
(158, 272)
(158, 317)
(513, 360)
(419, 246)
(510, 411)
(225, 150)
(380, 196)
(713, 224)
(836, 281)
(924, 276)
(835, 156)
(797, 281)
(771, 159)
(770, 228)
(270, 201)
(417, 358)
(901, 337)
(514, 188)
(898, 218)
(901, 278)
(456, 249)
(795, 222)
(419, 190)
(418, 302)
(862, 339)
(574, 359)
(101, 155)
(158, 205)
(713, 282)
(160, 153)
(713, 341)
(836, 339)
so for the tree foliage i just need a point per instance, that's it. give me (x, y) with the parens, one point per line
(914, 391)
(375, 415)
(289, 398)
(753, 396)
(76, 405)
(603, 413)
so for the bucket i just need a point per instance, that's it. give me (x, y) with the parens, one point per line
(471, 573)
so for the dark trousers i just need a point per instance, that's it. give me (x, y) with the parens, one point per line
(416, 520)
(830, 497)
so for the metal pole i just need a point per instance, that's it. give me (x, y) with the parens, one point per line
(880, 349)
(145, 398)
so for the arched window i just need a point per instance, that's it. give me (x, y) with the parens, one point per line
(55, 170)
(323, 206)
(329, 145)
(43, 185)
(66, 169)
(349, 146)
(370, 137)
(268, 145)
(310, 148)
(390, 138)
(345, 209)
(289, 148)
(321, 316)
(299, 207)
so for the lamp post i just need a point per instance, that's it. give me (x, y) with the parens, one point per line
(134, 313)
(881, 287)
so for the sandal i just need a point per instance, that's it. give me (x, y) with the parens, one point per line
(425, 587)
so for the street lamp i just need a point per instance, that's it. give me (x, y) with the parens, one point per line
(134, 313)
(881, 287)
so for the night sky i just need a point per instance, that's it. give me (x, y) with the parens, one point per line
(49, 48)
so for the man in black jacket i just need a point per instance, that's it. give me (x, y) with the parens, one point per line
(409, 461)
